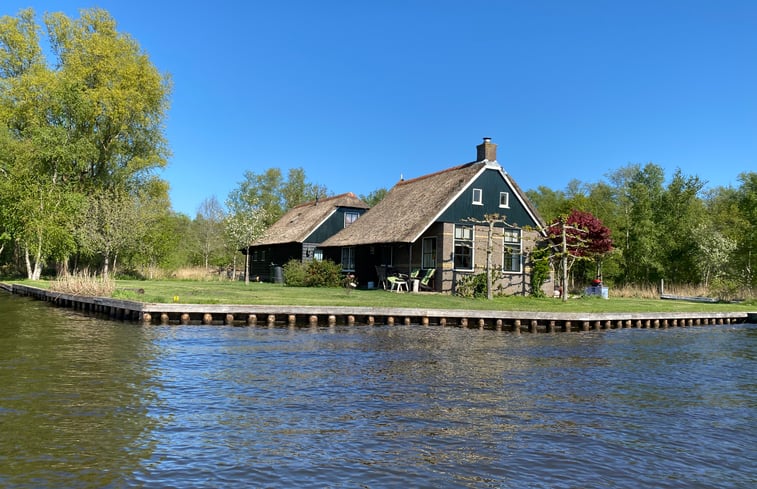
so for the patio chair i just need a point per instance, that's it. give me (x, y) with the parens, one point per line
(381, 276)
(427, 278)
(397, 283)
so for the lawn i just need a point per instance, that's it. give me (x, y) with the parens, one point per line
(224, 292)
(201, 292)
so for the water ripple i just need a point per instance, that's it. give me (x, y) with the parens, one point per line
(99, 404)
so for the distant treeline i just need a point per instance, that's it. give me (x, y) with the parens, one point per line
(666, 229)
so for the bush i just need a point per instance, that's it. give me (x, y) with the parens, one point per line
(471, 286)
(540, 271)
(324, 273)
(314, 273)
(295, 273)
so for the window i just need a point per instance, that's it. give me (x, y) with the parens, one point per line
(318, 254)
(429, 253)
(463, 247)
(478, 196)
(511, 261)
(504, 199)
(350, 217)
(348, 259)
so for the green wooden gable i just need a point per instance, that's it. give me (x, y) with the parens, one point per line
(489, 185)
(332, 225)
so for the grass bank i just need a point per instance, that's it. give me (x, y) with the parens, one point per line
(227, 292)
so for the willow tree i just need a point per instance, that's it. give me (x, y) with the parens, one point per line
(87, 120)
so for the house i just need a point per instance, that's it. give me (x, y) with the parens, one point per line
(300, 231)
(438, 221)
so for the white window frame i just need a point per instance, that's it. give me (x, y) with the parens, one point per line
(512, 241)
(478, 196)
(472, 240)
(504, 200)
(350, 217)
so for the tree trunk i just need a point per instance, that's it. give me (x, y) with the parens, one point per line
(489, 294)
(28, 263)
(106, 260)
(34, 271)
(247, 268)
(564, 265)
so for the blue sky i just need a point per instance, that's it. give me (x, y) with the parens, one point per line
(359, 93)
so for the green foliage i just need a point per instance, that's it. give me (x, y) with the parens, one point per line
(374, 197)
(539, 271)
(75, 132)
(323, 273)
(470, 286)
(314, 273)
(295, 273)
(271, 194)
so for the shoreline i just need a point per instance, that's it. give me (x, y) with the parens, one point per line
(314, 316)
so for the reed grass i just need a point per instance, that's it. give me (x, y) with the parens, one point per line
(200, 274)
(83, 283)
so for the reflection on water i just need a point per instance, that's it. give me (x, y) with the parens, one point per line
(74, 398)
(89, 403)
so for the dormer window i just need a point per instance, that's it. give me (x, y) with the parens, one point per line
(350, 217)
(478, 196)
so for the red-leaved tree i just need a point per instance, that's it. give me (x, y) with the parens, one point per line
(578, 236)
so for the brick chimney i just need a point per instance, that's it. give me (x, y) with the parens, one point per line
(486, 150)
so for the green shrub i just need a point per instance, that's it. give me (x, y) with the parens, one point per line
(471, 286)
(294, 273)
(313, 273)
(323, 273)
(540, 271)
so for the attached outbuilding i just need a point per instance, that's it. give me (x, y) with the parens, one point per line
(299, 233)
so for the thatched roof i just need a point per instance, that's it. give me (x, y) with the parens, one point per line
(409, 208)
(297, 224)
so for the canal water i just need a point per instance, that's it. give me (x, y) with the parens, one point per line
(90, 403)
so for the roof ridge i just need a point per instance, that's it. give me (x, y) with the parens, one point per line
(429, 175)
(326, 199)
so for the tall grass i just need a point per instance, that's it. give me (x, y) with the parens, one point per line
(686, 290)
(83, 283)
(200, 274)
